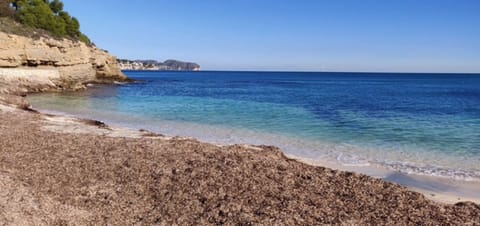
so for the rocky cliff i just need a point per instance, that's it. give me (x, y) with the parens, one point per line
(48, 64)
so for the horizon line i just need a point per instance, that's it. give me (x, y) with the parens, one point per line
(300, 71)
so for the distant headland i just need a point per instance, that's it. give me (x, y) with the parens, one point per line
(168, 65)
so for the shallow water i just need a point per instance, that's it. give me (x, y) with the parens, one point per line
(414, 123)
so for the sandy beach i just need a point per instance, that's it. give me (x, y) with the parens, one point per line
(61, 170)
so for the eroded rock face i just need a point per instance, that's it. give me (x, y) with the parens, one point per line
(60, 64)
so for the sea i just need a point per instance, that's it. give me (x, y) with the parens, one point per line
(425, 124)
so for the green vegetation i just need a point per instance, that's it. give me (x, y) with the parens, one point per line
(44, 14)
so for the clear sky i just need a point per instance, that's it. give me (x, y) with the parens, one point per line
(305, 35)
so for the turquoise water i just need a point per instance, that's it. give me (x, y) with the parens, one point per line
(415, 123)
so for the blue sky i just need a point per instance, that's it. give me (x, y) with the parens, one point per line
(316, 35)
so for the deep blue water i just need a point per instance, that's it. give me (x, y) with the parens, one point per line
(423, 122)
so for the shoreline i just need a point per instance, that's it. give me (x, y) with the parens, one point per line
(437, 188)
(73, 164)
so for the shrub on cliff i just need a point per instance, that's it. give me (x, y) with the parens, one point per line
(44, 14)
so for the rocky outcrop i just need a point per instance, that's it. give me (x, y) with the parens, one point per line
(48, 64)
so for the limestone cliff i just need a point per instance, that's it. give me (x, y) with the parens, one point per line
(48, 64)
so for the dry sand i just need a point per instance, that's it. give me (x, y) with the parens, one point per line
(58, 170)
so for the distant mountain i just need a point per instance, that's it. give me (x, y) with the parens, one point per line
(168, 65)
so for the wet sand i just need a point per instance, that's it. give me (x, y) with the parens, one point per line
(58, 170)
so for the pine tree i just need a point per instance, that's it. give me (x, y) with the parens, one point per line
(45, 14)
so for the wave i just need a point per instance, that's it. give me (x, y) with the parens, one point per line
(437, 171)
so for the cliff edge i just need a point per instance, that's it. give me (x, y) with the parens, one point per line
(36, 64)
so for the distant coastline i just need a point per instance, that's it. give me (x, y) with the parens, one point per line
(153, 65)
